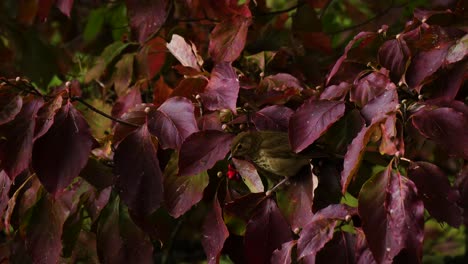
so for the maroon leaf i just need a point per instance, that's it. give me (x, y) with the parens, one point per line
(43, 230)
(182, 192)
(139, 177)
(371, 86)
(123, 74)
(336, 92)
(214, 233)
(394, 55)
(119, 240)
(335, 211)
(283, 254)
(363, 253)
(361, 36)
(314, 237)
(16, 139)
(5, 184)
(70, 142)
(266, 231)
(439, 198)
(446, 127)
(161, 92)
(43, 10)
(189, 87)
(312, 120)
(425, 64)
(10, 105)
(126, 102)
(227, 40)
(249, 175)
(45, 116)
(137, 116)
(210, 122)
(201, 150)
(392, 216)
(296, 201)
(380, 106)
(222, 89)
(354, 155)
(152, 56)
(147, 17)
(274, 117)
(173, 122)
(65, 6)
(340, 249)
(184, 53)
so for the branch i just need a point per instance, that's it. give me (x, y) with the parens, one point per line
(79, 99)
(298, 5)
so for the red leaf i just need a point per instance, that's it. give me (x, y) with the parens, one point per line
(63, 151)
(45, 116)
(361, 36)
(214, 233)
(124, 103)
(161, 92)
(139, 177)
(201, 150)
(394, 55)
(182, 192)
(65, 6)
(137, 116)
(283, 254)
(189, 87)
(439, 198)
(354, 155)
(227, 40)
(44, 9)
(152, 56)
(312, 120)
(16, 139)
(119, 240)
(274, 117)
(392, 216)
(446, 127)
(147, 17)
(371, 86)
(249, 175)
(10, 105)
(173, 122)
(184, 53)
(380, 106)
(266, 231)
(222, 89)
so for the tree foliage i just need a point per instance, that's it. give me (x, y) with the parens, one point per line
(115, 138)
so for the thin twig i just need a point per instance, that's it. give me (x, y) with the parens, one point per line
(298, 5)
(79, 99)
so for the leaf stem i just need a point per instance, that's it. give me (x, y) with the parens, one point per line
(79, 99)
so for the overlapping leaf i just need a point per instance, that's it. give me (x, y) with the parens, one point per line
(380, 106)
(283, 254)
(312, 120)
(274, 117)
(340, 249)
(249, 175)
(147, 17)
(227, 40)
(394, 55)
(371, 86)
(139, 177)
(214, 233)
(185, 53)
(173, 122)
(10, 105)
(70, 141)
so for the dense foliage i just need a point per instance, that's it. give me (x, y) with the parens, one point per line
(115, 139)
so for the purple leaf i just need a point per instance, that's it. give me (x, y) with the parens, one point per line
(16, 139)
(354, 155)
(280, 82)
(227, 40)
(214, 233)
(312, 120)
(119, 240)
(139, 177)
(45, 116)
(370, 86)
(249, 175)
(182, 192)
(63, 151)
(65, 6)
(392, 216)
(340, 249)
(10, 105)
(147, 17)
(275, 117)
(314, 237)
(173, 122)
(383, 104)
(335, 211)
(201, 150)
(361, 36)
(336, 92)
(126, 102)
(266, 231)
(446, 126)
(283, 254)
(222, 89)
(184, 53)
(210, 121)
(363, 253)
(137, 116)
(394, 55)
(439, 198)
